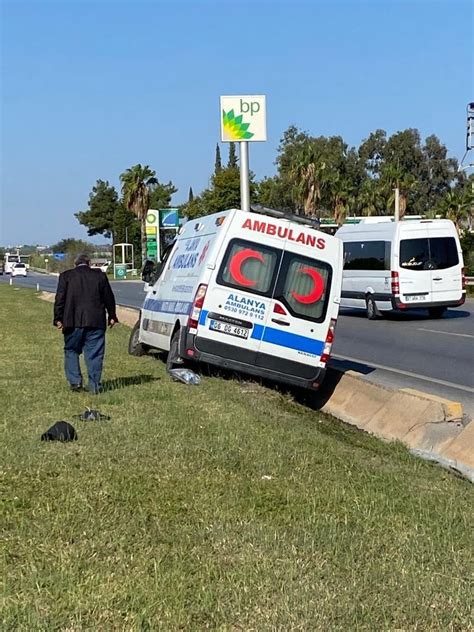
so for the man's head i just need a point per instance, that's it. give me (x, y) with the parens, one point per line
(82, 260)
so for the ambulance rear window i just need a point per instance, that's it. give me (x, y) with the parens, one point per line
(304, 286)
(249, 266)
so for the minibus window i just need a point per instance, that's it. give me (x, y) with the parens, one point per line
(366, 255)
(303, 286)
(444, 253)
(414, 254)
(249, 266)
(435, 253)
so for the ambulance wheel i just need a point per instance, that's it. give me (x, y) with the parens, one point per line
(436, 312)
(135, 347)
(173, 358)
(371, 308)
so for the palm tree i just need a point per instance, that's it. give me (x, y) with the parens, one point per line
(370, 197)
(394, 177)
(341, 197)
(456, 207)
(136, 183)
(307, 177)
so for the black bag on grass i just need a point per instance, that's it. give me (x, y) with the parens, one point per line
(60, 431)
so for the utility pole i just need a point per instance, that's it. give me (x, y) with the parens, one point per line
(397, 204)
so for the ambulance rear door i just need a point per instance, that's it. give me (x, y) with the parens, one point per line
(299, 314)
(239, 294)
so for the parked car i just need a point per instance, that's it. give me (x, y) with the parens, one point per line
(19, 269)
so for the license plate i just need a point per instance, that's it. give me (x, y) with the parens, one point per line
(414, 299)
(231, 330)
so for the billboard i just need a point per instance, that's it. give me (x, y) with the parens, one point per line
(243, 118)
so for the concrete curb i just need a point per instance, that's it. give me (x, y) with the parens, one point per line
(428, 425)
(432, 427)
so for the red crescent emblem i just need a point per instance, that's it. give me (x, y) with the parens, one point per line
(236, 266)
(316, 292)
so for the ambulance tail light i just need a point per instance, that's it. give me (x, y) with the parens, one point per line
(196, 308)
(463, 278)
(395, 283)
(278, 309)
(329, 340)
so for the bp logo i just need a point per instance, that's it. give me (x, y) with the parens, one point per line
(234, 127)
(151, 218)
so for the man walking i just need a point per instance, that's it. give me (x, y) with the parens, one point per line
(82, 298)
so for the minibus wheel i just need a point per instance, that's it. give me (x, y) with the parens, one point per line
(436, 312)
(136, 348)
(371, 308)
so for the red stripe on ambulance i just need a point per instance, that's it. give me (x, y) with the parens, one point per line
(284, 232)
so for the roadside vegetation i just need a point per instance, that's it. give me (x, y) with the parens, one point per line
(318, 176)
(224, 506)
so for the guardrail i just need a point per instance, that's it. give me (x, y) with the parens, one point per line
(470, 280)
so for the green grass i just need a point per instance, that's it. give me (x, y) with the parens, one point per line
(226, 506)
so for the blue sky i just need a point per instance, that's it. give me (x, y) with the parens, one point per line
(91, 88)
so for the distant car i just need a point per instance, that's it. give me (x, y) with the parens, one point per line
(19, 269)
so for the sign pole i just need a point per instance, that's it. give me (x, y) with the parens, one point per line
(244, 176)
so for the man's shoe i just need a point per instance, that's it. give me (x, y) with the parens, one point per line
(76, 388)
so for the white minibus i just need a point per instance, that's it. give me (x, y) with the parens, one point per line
(401, 266)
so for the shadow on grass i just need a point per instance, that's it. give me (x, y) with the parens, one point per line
(314, 400)
(129, 380)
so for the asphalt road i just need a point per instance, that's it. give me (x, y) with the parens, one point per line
(400, 351)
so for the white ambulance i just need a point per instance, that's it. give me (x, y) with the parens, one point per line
(255, 292)
(410, 264)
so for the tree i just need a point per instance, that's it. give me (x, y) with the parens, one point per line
(342, 198)
(393, 177)
(437, 173)
(70, 244)
(194, 208)
(456, 206)
(190, 194)
(103, 203)
(370, 199)
(218, 163)
(161, 194)
(71, 247)
(273, 193)
(307, 176)
(136, 184)
(372, 151)
(223, 194)
(127, 228)
(232, 162)
(467, 245)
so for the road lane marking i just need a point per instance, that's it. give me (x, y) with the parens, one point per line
(448, 333)
(468, 389)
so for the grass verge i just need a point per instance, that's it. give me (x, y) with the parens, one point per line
(225, 506)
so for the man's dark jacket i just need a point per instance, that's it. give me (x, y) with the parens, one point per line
(82, 297)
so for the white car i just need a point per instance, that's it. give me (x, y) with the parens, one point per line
(19, 269)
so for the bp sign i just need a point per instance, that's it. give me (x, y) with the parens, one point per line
(151, 228)
(243, 118)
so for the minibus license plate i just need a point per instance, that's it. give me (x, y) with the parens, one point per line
(231, 330)
(415, 297)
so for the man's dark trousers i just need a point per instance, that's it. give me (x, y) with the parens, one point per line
(91, 342)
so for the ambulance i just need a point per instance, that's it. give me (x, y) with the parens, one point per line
(254, 292)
